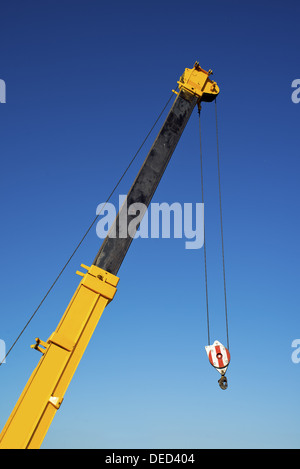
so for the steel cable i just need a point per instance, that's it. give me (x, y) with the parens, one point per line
(87, 231)
(221, 224)
(204, 240)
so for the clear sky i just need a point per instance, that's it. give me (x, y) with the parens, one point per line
(85, 81)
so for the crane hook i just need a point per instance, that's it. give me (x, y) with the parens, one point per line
(219, 358)
(223, 382)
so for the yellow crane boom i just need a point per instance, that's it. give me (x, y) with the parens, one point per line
(62, 352)
(44, 392)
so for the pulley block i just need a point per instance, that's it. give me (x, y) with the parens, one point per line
(219, 358)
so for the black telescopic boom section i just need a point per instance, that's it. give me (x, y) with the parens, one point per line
(118, 240)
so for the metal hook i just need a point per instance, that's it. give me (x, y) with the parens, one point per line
(223, 383)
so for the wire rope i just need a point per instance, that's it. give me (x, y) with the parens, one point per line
(221, 228)
(221, 224)
(86, 233)
(204, 240)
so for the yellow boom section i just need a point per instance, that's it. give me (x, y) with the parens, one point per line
(44, 392)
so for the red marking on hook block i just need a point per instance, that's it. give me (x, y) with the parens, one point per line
(218, 356)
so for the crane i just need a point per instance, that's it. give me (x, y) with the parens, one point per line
(44, 392)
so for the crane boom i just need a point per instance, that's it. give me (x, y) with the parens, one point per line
(194, 85)
(114, 248)
(62, 352)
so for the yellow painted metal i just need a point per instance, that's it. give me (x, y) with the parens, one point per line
(62, 352)
(45, 390)
(196, 81)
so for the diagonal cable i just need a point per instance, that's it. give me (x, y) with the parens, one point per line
(87, 231)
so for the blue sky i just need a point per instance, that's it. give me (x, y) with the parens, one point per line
(85, 81)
